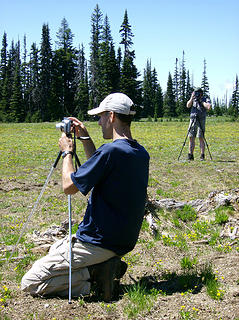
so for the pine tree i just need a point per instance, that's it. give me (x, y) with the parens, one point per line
(45, 73)
(82, 88)
(169, 99)
(205, 84)
(12, 61)
(16, 112)
(3, 79)
(3, 64)
(189, 87)
(152, 94)
(64, 66)
(114, 69)
(33, 103)
(158, 96)
(94, 68)
(24, 73)
(65, 36)
(119, 59)
(176, 81)
(216, 108)
(182, 101)
(129, 73)
(110, 73)
(147, 92)
(234, 105)
(158, 111)
(126, 34)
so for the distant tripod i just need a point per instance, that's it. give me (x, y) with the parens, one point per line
(194, 120)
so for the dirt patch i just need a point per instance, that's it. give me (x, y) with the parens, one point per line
(14, 184)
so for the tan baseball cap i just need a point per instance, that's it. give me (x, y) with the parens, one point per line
(117, 102)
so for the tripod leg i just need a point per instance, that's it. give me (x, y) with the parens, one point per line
(70, 249)
(77, 160)
(192, 123)
(203, 135)
(36, 203)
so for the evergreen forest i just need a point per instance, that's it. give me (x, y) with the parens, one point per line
(42, 84)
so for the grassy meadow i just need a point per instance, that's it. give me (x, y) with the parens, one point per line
(170, 276)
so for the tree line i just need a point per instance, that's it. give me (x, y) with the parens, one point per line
(47, 84)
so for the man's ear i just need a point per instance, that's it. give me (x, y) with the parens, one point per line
(112, 116)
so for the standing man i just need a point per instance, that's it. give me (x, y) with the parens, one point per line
(199, 105)
(117, 176)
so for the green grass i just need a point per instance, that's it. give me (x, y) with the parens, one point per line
(187, 213)
(223, 213)
(140, 300)
(210, 280)
(187, 263)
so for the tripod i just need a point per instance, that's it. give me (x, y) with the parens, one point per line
(194, 120)
(77, 163)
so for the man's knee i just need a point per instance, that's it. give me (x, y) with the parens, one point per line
(28, 285)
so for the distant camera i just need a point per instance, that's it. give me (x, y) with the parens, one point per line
(65, 125)
(197, 94)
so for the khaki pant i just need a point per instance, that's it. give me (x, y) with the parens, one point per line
(50, 274)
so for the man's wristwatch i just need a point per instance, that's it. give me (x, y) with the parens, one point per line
(65, 153)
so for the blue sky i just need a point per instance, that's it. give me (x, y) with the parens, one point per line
(162, 30)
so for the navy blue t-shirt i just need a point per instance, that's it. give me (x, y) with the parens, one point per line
(117, 174)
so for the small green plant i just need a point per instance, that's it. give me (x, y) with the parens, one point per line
(213, 290)
(211, 282)
(140, 298)
(109, 308)
(221, 216)
(187, 263)
(5, 294)
(187, 314)
(74, 228)
(145, 226)
(201, 227)
(176, 222)
(177, 241)
(187, 213)
(81, 301)
(131, 259)
(214, 237)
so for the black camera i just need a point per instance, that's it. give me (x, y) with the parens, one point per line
(197, 94)
(65, 125)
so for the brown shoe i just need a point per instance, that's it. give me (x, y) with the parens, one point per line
(104, 274)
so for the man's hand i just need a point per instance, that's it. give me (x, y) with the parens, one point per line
(80, 129)
(190, 101)
(65, 143)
